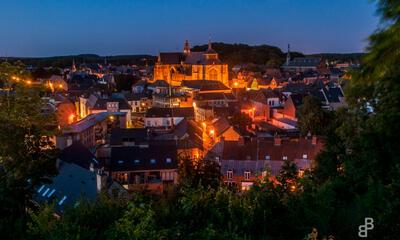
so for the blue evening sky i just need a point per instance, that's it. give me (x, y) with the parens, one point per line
(111, 27)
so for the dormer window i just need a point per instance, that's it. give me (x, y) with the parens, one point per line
(229, 174)
(247, 175)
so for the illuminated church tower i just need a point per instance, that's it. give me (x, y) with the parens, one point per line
(174, 67)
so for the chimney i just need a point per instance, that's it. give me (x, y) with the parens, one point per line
(277, 140)
(314, 140)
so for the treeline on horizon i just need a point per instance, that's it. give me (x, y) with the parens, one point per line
(232, 54)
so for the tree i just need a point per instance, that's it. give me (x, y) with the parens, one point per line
(360, 168)
(195, 172)
(27, 154)
(313, 119)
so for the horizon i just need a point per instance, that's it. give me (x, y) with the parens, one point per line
(155, 55)
(112, 28)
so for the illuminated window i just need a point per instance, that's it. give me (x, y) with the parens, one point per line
(152, 161)
(168, 160)
(229, 174)
(213, 74)
(267, 157)
(305, 156)
(136, 161)
(284, 157)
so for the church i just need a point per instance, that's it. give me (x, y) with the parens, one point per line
(174, 67)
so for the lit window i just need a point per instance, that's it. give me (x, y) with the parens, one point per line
(305, 156)
(247, 175)
(284, 157)
(229, 174)
(136, 161)
(152, 161)
(120, 161)
(267, 157)
(168, 160)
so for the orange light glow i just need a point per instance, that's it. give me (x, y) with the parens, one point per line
(60, 85)
(71, 118)
(212, 132)
(204, 124)
(236, 84)
(28, 82)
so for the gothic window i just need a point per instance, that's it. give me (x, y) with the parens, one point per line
(213, 74)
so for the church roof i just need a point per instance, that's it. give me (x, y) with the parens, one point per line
(171, 57)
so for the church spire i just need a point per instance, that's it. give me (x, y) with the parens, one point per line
(288, 55)
(73, 68)
(209, 43)
(186, 48)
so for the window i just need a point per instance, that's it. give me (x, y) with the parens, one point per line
(284, 157)
(267, 157)
(229, 174)
(152, 161)
(136, 161)
(120, 161)
(247, 175)
(168, 160)
(213, 74)
(305, 156)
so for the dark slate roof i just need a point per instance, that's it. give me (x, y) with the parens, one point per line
(78, 154)
(120, 135)
(137, 158)
(160, 83)
(214, 96)
(169, 112)
(303, 62)
(263, 94)
(68, 187)
(101, 103)
(204, 85)
(296, 88)
(320, 95)
(292, 148)
(297, 99)
(333, 94)
(171, 57)
(194, 58)
(220, 126)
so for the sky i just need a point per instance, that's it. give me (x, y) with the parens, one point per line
(38, 28)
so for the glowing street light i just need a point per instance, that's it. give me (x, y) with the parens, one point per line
(29, 82)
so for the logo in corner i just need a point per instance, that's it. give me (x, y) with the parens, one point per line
(363, 229)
